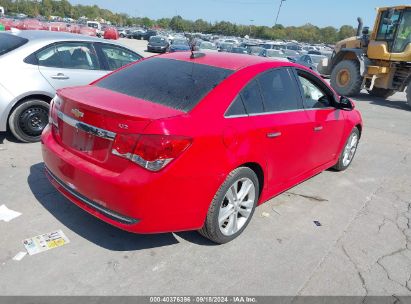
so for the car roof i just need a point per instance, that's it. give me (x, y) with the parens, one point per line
(50, 35)
(229, 61)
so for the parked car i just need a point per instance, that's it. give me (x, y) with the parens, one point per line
(274, 54)
(34, 64)
(206, 46)
(314, 52)
(239, 50)
(143, 35)
(179, 45)
(97, 26)
(158, 44)
(274, 46)
(225, 47)
(124, 33)
(132, 149)
(111, 33)
(310, 61)
(255, 50)
(136, 34)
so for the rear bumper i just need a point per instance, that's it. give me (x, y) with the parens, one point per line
(87, 202)
(134, 200)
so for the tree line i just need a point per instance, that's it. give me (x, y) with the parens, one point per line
(63, 8)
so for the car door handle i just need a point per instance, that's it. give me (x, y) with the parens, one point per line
(318, 128)
(274, 134)
(60, 76)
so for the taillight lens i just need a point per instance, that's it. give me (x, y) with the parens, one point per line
(152, 152)
(54, 106)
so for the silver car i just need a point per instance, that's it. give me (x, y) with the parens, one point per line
(34, 64)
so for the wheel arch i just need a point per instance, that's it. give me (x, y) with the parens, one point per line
(359, 127)
(258, 170)
(352, 54)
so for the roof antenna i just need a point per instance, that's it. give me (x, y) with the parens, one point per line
(195, 55)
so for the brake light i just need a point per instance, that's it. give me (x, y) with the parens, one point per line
(54, 106)
(152, 152)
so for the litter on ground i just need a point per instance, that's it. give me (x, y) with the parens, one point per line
(45, 242)
(7, 215)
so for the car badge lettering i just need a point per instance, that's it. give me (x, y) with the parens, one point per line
(77, 113)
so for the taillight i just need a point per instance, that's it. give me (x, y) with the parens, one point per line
(152, 152)
(54, 106)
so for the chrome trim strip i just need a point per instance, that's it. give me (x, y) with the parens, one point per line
(279, 112)
(86, 127)
(107, 212)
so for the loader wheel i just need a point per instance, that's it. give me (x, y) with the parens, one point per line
(380, 92)
(408, 91)
(346, 78)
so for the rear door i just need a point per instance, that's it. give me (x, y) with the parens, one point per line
(68, 64)
(275, 110)
(327, 122)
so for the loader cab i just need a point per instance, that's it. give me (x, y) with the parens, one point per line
(394, 28)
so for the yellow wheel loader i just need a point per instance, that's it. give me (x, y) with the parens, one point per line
(379, 62)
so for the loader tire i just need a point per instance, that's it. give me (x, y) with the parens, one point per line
(346, 78)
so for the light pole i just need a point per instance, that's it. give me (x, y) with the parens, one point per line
(251, 20)
(279, 10)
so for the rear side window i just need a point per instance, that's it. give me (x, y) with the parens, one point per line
(9, 43)
(252, 98)
(177, 84)
(279, 91)
(237, 108)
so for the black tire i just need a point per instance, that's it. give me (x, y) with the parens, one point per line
(382, 93)
(408, 92)
(354, 83)
(211, 229)
(340, 166)
(28, 120)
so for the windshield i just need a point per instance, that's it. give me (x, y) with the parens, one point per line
(177, 84)
(9, 43)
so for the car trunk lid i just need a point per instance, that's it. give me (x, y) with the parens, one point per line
(87, 120)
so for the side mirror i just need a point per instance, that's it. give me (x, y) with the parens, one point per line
(366, 31)
(346, 104)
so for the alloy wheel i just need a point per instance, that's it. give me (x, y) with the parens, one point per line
(237, 206)
(350, 148)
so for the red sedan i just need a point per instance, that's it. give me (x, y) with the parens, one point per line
(179, 142)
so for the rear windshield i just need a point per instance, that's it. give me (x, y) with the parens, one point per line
(177, 84)
(10, 42)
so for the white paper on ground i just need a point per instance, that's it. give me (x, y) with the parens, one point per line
(45, 242)
(7, 215)
(19, 256)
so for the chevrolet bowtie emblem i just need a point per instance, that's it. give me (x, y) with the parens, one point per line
(77, 113)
